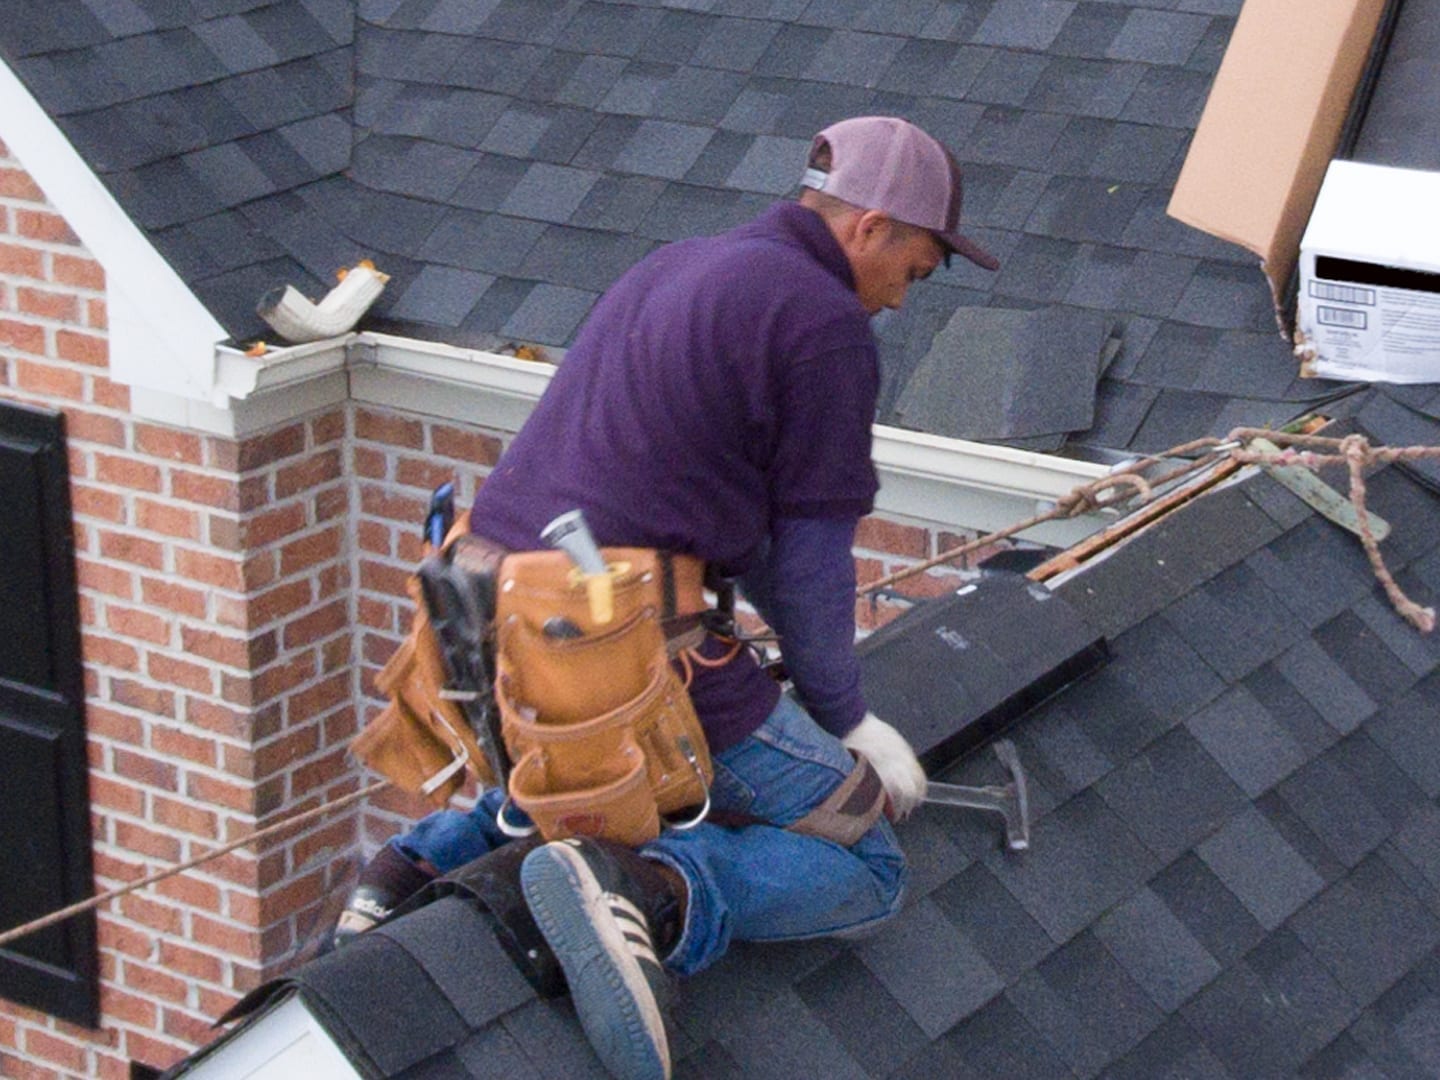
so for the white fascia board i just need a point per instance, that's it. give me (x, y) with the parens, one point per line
(161, 335)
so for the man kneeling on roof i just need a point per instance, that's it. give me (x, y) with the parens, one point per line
(718, 405)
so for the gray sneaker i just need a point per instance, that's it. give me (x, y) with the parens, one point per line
(590, 909)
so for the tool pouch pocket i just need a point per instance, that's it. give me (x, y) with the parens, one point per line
(421, 741)
(604, 736)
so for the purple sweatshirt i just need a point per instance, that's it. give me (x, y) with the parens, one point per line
(718, 402)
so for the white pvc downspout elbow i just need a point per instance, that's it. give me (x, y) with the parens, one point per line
(296, 319)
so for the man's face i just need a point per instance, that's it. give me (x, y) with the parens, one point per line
(888, 257)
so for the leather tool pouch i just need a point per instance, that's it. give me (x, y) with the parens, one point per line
(421, 741)
(603, 735)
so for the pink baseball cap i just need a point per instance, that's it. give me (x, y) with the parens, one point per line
(885, 163)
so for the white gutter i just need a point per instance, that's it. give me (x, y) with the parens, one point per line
(937, 481)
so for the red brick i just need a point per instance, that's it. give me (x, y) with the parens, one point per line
(340, 727)
(180, 599)
(330, 504)
(60, 307)
(209, 789)
(56, 1051)
(194, 963)
(467, 446)
(153, 1052)
(24, 336)
(167, 518)
(321, 773)
(221, 719)
(307, 551)
(368, 463)
(387, 580)
(108, 794)
(389, 429)
(46, 226)
(82, 348)
(220, 648)
(95, 427)
(108, 394)
(109, 580)
(190, 891)
(878, 534)
(134, 623)
(144, 769)
(223, 532)
(145, 841)
(116, 726)
(274, 756)
(233, 940)
(87, 501)
(213, 570)
(21, 261)
(77, 270)
(259, 570)
(270, 448)
(128, 473)
(182, 1025)
(185, 817)
(108, 652)
(167, 443)
(265, 528)
(214, 492)
(116, 1004)
(375, 538)
(317, 624)
(423, 473)
(184, 674)
(292, 897)
(320, 698)
(48, 380)
(324, 845)
(97, 315)
(287, 675)
(280, 602)
(140, 908)
(17, 184)
(313, 470)
(254, 492)
(384, 502)
(172, 742)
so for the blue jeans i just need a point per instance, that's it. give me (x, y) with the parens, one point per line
(754, 883)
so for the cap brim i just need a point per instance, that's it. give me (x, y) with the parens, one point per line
(961, 245)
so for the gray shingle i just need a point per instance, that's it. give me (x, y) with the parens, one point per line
(637, 89)
(584, 258)
(1024, 24)
(121, 17)
(678, 35)
(618, 203)
(440, 113)
(323, 142)
(1140, 153)
(489, 182)
(698, 95)
(1085, 87)
(479, 64)
(1330, 802)
(1085, 1005)
(861, 1014)
(1101, 272)
(1260, 868)
(441, 295)
(1013, 136)
(1248, 743)
(1008, 78)
(537, 21)
(1089, 30)
(229, 174)
(735, 44)
(458, 16)
(590, 80)
(785, 1039)
(919, 67)
(1079, 208)
(756, 110)
(549, 192)
(853, 58)
(1156, 949)
(549, 315)
(1168, 96)
(662, 148)
(1158, 37)
(1342, 704)
(237, 44)
(791, 51)
(771, 165)
(935, 995)
(608, 29)
(486, 242)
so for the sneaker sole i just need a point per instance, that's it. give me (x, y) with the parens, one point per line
(616, 1005)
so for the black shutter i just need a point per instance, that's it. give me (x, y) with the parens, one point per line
(44, 792)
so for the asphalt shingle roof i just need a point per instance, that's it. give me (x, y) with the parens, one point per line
(543, 146)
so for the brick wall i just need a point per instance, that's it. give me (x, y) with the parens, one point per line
(237, 599)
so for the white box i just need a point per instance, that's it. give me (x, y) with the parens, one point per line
(1369, 303)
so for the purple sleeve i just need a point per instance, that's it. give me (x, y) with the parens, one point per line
(804, 587)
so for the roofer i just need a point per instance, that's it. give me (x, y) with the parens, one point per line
(718, 404)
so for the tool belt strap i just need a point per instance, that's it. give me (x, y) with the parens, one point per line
(850, 810)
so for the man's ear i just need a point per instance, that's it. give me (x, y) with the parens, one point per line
(872, 229)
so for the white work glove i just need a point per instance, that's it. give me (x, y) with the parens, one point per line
(893, 760)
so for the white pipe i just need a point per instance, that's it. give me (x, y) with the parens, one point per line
(292, 316)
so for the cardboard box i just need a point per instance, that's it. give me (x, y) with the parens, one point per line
(1272, 122)
(1369, 304)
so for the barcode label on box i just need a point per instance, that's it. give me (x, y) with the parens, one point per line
(1335, 316)
(1345, 294)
